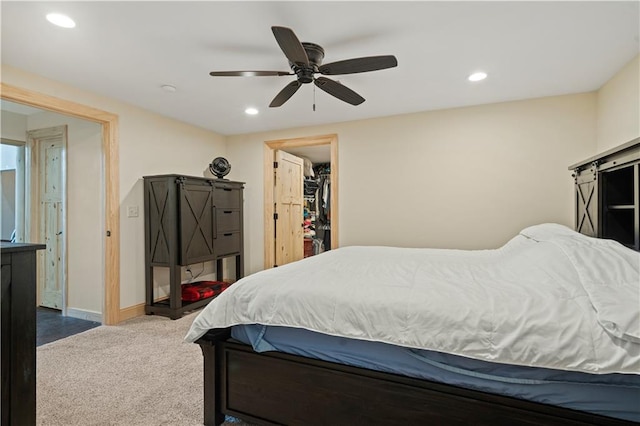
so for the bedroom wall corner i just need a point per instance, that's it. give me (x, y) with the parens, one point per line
(618, 103)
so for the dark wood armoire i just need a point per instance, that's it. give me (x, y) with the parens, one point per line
(18, 333)
(189, 220)
(607, 188)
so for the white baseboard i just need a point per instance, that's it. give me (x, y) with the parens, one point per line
(84, 314)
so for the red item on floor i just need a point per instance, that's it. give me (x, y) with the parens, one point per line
(195, 291)
(192, 294)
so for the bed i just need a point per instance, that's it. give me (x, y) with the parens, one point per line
(544, 330)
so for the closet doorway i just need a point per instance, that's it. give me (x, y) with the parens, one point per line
(322, 149)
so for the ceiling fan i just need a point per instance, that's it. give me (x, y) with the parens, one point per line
(305, 60)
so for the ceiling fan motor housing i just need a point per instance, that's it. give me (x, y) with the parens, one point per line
(315, 53)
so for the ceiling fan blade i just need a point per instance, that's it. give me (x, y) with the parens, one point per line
(248, 73)
(339, 91)
(356, 65)
(285, 94)
(290, 45)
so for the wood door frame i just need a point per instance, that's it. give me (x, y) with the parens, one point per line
(109, 122)
(282, 144)
(33, 212)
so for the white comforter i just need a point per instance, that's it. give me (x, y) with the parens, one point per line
(550, 297)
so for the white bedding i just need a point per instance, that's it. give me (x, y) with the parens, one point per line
(550, 298)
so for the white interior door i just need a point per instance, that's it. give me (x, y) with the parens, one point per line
(288, 200)
(49, 147)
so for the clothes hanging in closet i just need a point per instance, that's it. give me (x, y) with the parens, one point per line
(323, 205)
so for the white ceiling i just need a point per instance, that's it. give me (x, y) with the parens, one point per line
(128, 50)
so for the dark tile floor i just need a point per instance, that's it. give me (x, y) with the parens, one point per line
(51, 325)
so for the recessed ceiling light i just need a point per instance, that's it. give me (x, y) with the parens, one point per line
(168, 88)
(251, 111)
(477, 76)
(61, 20)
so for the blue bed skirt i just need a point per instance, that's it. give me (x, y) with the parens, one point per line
(613, 395)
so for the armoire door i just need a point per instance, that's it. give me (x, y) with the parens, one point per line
(196, 223)
(586, 185)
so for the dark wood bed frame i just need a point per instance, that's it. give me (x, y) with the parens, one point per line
(275, 388)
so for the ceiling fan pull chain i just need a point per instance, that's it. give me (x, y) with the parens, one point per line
(314, 98)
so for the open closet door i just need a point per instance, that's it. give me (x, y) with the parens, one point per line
(288, 204)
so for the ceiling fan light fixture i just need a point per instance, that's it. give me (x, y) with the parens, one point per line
(61, 20)
(305, 61)
(251, 111)
(478, 76)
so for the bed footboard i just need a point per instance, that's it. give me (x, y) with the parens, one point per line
(276, 388)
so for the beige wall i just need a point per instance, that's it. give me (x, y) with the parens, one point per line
(619, 107)
(149, 144)
(13, 126)
(465, 178)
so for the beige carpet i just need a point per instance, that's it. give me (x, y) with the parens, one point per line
(139, 372)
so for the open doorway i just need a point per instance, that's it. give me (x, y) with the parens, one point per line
(34, 193)
(316, 205)
(36, 146)
(107, 278)
(321, 151)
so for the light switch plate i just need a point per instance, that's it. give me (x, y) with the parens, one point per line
(132, 211)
